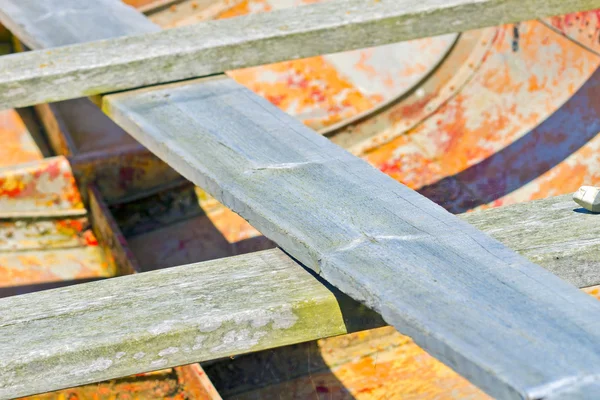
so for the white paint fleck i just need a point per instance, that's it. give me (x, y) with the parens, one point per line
(261, 318)
(198, 344)
(161, 328)
(97, 365)
(120, 354)
(139, 355)
(235, 340)
(159, 363)
(285, 321)
(210, 326)
(168, 351)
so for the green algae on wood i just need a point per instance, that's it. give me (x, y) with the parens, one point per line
(118, 327)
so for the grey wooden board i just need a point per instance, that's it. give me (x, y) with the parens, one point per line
(52, 23)
(58, 341)
(215, 46)
(461, 295)
(555, 233)
(93, 332)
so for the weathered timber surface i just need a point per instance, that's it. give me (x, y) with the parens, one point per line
(122, 316)
(216, 46)
(461, 295)
(55, 23)
(87, 333)
(555, 233)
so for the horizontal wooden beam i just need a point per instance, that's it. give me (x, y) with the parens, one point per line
(92, 332)
(216, 46)
(555, 233)
(122, 326)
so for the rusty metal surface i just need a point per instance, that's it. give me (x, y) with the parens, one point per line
(18, 145)
(45, 235)
(581, 27)
(182, 383)
(26, 268)
(39, 188)
(440, 86)
(32, 234)
(328, 91)
(504, 137)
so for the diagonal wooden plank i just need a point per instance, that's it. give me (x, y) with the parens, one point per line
(217, 46)
(461, 295)
(103, 336)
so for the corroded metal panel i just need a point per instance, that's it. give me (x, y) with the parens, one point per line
(43, 234)
(41, 188)
(581, 27)
(481, 145)
(326, 91)
(435, 90)
(17, 145)
(34, 267)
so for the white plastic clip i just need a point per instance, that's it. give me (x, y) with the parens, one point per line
(588, 197)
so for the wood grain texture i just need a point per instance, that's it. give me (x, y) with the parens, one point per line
(555, 233)
(88, 333)
(461, 295)
(216, 46)
(165, 300)
(55, 23)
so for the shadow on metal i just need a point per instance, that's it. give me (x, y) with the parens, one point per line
(532, 155)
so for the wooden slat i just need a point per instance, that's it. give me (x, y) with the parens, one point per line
(217, 301)
(93, 332)
(55, 23)
(216, 46)
(549, 233)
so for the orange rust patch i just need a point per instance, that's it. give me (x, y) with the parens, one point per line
(307, 86)
(17, 144)
(46, 184)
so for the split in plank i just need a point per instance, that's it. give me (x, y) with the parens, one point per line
(199, 312)
(216, 46)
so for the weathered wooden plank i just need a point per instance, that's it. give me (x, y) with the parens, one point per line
(458, 293)
(55, 23)
(172, 296)
(118, 327)
(554, 233)
(216, 46)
